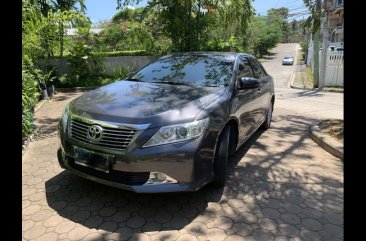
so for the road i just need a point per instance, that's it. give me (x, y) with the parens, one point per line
(315, 104)
(281, 186)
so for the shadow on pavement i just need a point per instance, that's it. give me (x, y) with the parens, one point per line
(279, 189)
(305, 93)
(270, 55)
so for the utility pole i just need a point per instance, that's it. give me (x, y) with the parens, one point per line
(316, 59)
(325, 49)
(316, 47)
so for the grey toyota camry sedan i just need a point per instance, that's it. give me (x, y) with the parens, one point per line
(171, 125)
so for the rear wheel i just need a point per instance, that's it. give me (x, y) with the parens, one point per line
(267, 123)
(221, 158)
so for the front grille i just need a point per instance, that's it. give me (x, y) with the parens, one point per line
(112, 138)
(128, 178)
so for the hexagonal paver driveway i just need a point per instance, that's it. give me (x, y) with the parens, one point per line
(282, 186)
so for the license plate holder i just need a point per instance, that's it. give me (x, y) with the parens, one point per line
(92, 159)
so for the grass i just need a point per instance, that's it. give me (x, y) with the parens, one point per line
(309, 78)
(67, 81)
(334, 88)
(333, 128)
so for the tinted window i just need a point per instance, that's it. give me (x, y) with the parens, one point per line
(200, 70)
(245, 70)
(257, 69)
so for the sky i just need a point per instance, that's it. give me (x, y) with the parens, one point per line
(99, 10)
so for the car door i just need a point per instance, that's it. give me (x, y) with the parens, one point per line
(264, 93)
(245, 104)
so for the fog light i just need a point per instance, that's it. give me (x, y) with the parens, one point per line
(160, 176)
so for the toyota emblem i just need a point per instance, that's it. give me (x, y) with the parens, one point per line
(95, 133)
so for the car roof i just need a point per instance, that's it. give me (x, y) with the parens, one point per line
(212, 53)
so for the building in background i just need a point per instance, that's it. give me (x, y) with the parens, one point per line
(333, 23)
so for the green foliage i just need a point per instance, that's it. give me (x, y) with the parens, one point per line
(127, 35)
(190, 29)
(121, 72)
(84, 61)
(124, 53)
(42, 31)
(278, 16)
(127, 14)
(313, 21)
(70, 81)
(304, 44)
(262, 36)
(30, 97)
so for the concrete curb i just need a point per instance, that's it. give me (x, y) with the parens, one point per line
(327, 143)
(292, 77)
(314, 89)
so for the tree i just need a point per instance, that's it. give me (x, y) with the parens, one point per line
(188, 28)
(128, 14)
(262, 35)
(279, 16)
(313, 24)
(65, 6)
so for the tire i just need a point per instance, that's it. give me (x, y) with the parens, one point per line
(221, 158)
(267, 123)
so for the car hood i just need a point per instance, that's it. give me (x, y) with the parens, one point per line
(144, 103)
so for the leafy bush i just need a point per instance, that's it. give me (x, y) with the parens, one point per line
(30, 97)
(304, 44)
(84, 61)
(124, 53)
(120, 72)
(69, 81)
(127, 35)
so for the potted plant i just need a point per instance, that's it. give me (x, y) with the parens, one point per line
(45, 83)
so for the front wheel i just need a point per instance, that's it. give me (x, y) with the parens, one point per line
(267, 123)
(221, 158)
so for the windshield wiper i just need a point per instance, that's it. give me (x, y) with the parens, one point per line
(171, 83)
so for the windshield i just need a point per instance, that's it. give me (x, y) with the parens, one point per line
(198, 70)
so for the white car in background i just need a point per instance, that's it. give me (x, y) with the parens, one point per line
(288, 60)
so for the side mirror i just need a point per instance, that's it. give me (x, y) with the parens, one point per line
(249, 83)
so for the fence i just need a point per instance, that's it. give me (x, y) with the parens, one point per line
(333, 68)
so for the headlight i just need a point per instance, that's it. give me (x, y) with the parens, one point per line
(64, 118)
(177, 133)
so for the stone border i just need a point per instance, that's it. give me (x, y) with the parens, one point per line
(29, 140)
(31, 137)
(327, 143)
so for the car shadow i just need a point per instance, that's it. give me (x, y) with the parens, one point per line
(266, 183)
(95, 205)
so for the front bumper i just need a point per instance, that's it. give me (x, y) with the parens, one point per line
(187, 165)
